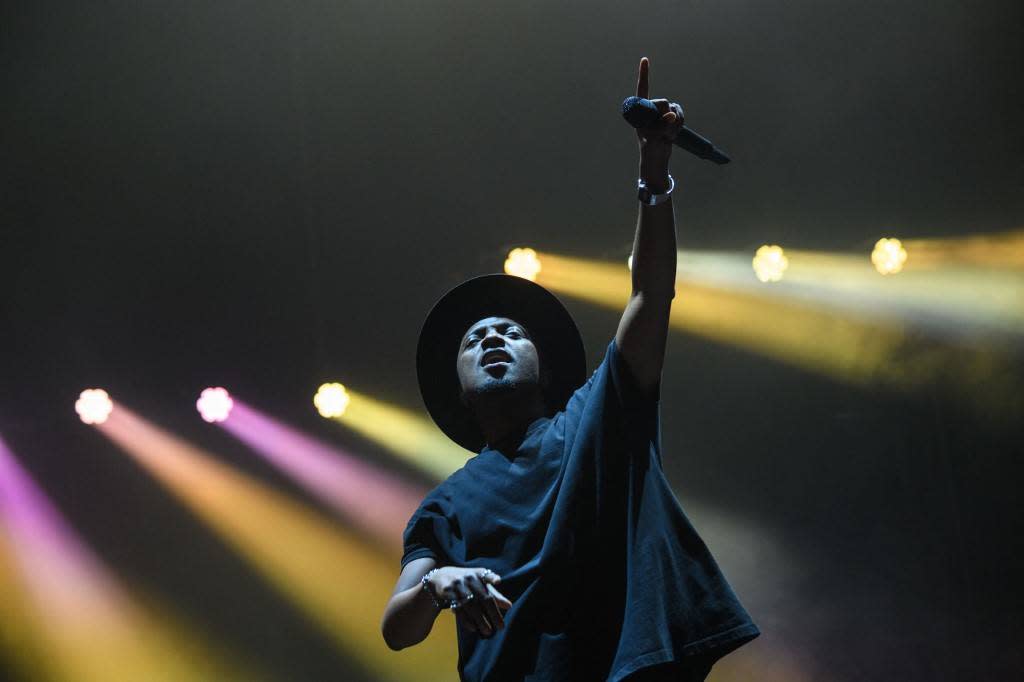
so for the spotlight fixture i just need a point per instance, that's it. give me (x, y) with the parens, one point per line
(770, 263)
(331, 400)
(888, 256)
(523, 263)
(214, 404)
(93, 406)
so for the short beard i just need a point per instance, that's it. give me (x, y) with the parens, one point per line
(495, 389)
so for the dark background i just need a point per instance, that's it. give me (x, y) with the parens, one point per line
(267, 195)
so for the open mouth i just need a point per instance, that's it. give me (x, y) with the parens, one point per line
(493, 357)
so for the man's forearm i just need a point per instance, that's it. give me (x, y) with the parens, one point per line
(643, 329)
(408, 618)
(654, 246)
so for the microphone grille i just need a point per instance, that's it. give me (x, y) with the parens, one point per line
(640, 112)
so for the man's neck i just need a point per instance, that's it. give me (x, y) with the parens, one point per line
(504, 420)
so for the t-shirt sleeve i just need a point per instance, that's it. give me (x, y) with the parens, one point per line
(421, 537)
(630, 395)
(611, 396)
(638, 409)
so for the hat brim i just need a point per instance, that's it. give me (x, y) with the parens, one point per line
(550, 326)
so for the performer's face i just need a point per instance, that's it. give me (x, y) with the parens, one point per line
(497, 355)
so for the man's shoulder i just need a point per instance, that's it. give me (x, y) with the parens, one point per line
(458, 479)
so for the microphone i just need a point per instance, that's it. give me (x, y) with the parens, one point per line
(643, 113)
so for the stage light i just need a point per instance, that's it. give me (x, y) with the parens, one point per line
(214, 404)
(67, 617)
(834, 315)
(770, 263)
(523, 263)
(93, 406)
(367, 496)
(888, 256)
(335, 576)
(331, 400)
(410, 435)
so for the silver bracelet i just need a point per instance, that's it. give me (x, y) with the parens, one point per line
(648, 198)
(425, 583)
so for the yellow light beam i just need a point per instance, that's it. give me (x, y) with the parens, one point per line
(839, 344)
(66, 617)
(955, 301)
(813, 340)
(22, 646)
(983, 299)
(413, 438)
(340, 583)
(995, 250)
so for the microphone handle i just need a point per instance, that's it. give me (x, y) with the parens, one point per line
(643, 113)
(700, 146)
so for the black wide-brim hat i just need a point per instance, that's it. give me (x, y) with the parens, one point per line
(548, 323)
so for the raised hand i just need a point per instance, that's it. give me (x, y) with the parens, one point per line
(671, 112)
(656, 142)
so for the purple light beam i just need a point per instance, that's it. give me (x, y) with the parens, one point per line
(67, 581)
(374, 500)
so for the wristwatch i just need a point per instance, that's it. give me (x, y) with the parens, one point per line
(649, 198)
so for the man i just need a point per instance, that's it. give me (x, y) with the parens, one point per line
(560, 547)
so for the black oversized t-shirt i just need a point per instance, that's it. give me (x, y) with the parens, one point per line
(605, 573)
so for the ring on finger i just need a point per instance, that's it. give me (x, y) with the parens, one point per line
(457, 603)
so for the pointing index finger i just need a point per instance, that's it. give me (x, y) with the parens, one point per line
(641, 79)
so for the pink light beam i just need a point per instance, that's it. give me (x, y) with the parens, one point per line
(67, 581)
(372, 499)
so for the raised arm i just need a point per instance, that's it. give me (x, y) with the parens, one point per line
(643, 329)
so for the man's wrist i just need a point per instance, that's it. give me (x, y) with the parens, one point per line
(657, 184)
(655, 176)
(649, 197)
(437, 600)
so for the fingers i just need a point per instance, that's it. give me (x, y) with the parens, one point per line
(642, 78)
(668, 126)
(490, 579)
(677, 109)
(470, 608)
(487, 605)
(484, 603)
(672, 122)
(662, 106)
(500, 600)
(479, 603)
(462, 621)
(489, 576)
